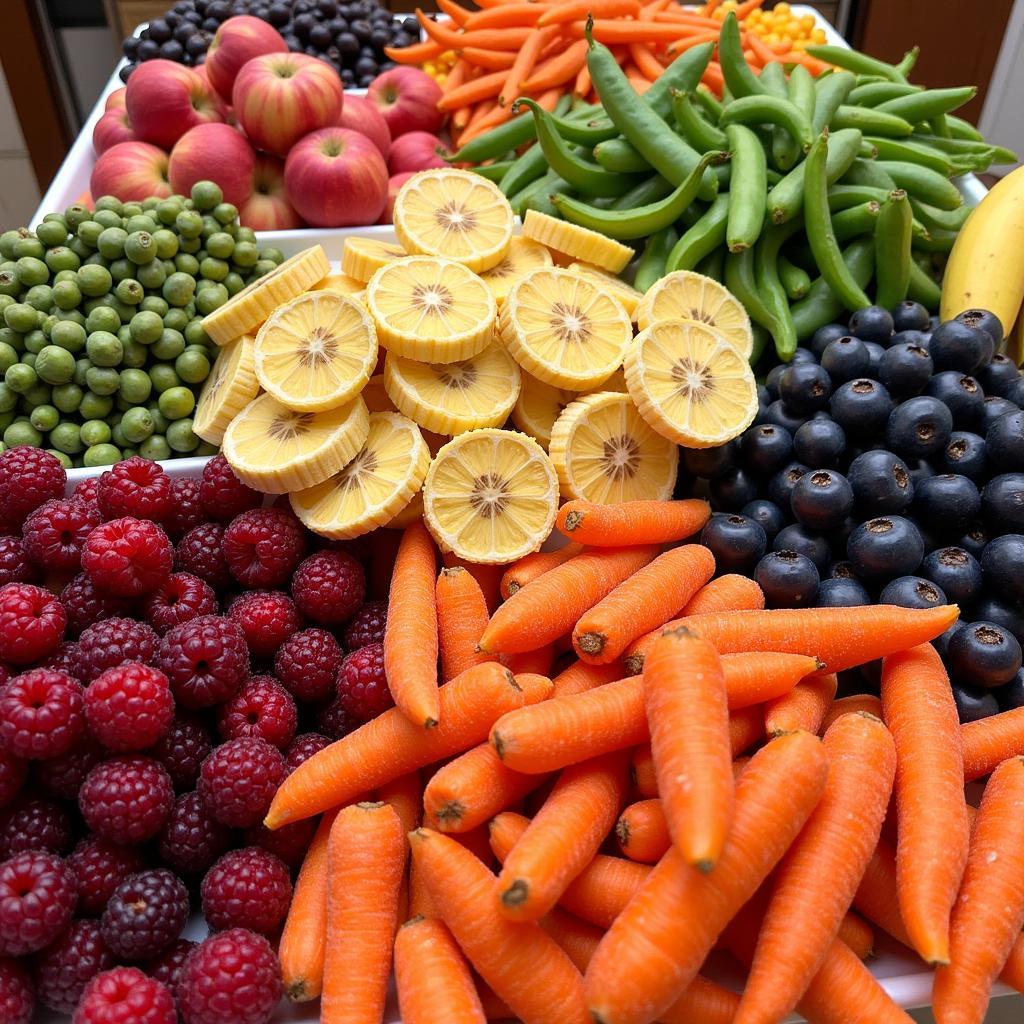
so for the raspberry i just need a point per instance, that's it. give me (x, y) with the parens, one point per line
(367, 626)
(54, 533)
(135, 487)
(180, 598)
(127, 557)
(87, 490)
(63, 776)
(206, 660)
(239, 779)
(329, 587)
(28, 477)
(290, 842)
(363, 685)
(66, 657)
(302, 748)
(232, 976)
(41, 714)
(263, 708)
(267, 618)
(145, 915)
(191, 840)
(112, 642)
(200, 553)
(33, 824)
(126, 799)
(37, 900)
(333, 720)
(13, 772)
(85, 604)
(99, 867)
(222, 495)
(122, 995)
(167, 966)
(17, 1001)
(63, 969)
(187, 510)
(32, 622)
(307, 663)
(263, 546)
(15, 566)
(129, 707)
(183, 749)
(248, 888)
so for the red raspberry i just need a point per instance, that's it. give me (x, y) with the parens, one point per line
(125, 994)
(32, 622)
(248, 888)
(222, 495)
(263, 708)
(232, 976)
(62, 777)
(17, 1000)
(180, 598)
(239, 779)
(307, 663)
(54, 533)
(200, 553)
(129, 707)
(63, 969)
(206, 660)
(135, 487)
(302, 748)
(267, 618)
(99, 867)
(85, 604)
(145, 915)
(112, 642)
(183, 749)
(13, 771)
(367, 626)
(329, 587)
(333, 720)
(191, 840)
(290, 842)
(33, 824)
(127, 557)
(363, 684)
(167, 966)
(28, 477)
(37, 901)
(187, 511)
(41, 714)
(126, 799)
(15, 566)
(87, 491)
(67, 658)
(263, 546)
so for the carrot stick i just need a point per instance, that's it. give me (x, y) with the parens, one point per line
(631, 522)
(580, 677)
(576, 9)
(461, 618)
(526, 58)
(728, 593)
(803, 707)
(491, 60)
(487, 38)
(482, 88)
(990, 741)
(558, 69)
(390, 745)
(866, 702)
(481, 112)
(642, 831)
(857, 934)
(538, 661)
(583, 83)
(405, 795)
(417, 53)
(644, 58)
(456, 12)
(528, 568)
(477, 841)
(755, 678)
(645, 778)
(608, 32)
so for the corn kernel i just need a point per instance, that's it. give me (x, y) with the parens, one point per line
(818, 36)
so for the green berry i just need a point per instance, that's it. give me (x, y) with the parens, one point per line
(135, 355)
(44, 418)
(146, 327)
(55, 365)
(111, 242)
(52, 233)
(152, 274)
(140, 247)
(140, 222)
(94, 280)
(117, 436)
(110, 203)
(195, 335)
(168, 209)
(263, 266)
(9, 283)
(160, 421)
(8, 398)
(189, 224)
(155, 448)
(20, 317)
(181, 437)
(31, 271)
(176, 319)
(40, 297)
(214, 269)
(273, 254)
(8, 356)
(68, 335)
(107, 218)
(130, 292)
(76, 214)
(122, 270)
(191, 246)
(186, 264)
(21, 378)
(192, 365)
(155, 304)
(35, 341)
(89, 232)
(101, 455)
(164, 377)
(137, 424)
(102, 318)
(95, 432)
(62, 258)
(170, 345)
(166, 244)
(211, 298)
(22, 432)
(225, 213)
(207, 195)
(67, 397)
(67, 437)
(66, 295)
(220, 245)
(94, 406)
(104, 349)
(102, 379)
(176, 403)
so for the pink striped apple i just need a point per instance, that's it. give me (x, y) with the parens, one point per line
(268, 208)
(132, 171)
(115, 101)
(213, 152)
(415, 151)
(362, 116)
(237, 41)
(165, 99)
(408, 98)
(113, 127)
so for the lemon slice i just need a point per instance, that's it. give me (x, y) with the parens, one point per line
(490, 496)
(317, 351)
(412, 513)
(341, 283)
(691, 383)
(277, 450)
(361, 258)
(431, 309)
(245, 311)
(537, 408)
(231, 386)
(625, 293)
(687, 295)
(577, 243)
(456, 214)
(374, 487)
(564, 329)
(604, 451)
(523, 255)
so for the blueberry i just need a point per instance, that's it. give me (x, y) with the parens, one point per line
(1015, 393)
(872, 323)
(965, 454)
(1002, 562)
(881, 483)
(912, 592)
(159, 30)
(919, 427)
(788, 579)
(802, 355)
(947, 502)
(765, 449)
(1002, 503)
(875, 353)
(885, 547)
(974, 704)
(148, 49)
(910, 316)
(841, 571)
(822, 499)
(824, 336)
(780, 487)
(805, 388)
(920, 470)
(958, 346)
(731, 491)
(841, 593)
(984, 654)
(781, 415)
(771, 382)
(769, 515)
(1004, 613)
(962, 394)
(736, 542)
(710, 463)
(172, 50)
(1011, 695)
(920, 338)
(819, 443)
(974, 539)
(985, 320)
(956, 571)
(998, 376)
(861, 407)
(1004, 442)
(845, 359)
(995, 408)
(905, 370)
(806, 542)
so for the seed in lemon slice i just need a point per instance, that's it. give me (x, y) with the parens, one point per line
(577, 242)
(317, 351)
(490, 496)
(691, 383)
(431, 309)
(625, 293)
(231, 386)
(537, 408)
(523, 256)
(278, 450)
(604, 451)
(455, 214)
(361, 258)
(564, 329)
(341, 283)
(374, 487)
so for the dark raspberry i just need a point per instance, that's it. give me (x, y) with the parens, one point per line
(183, 749)
(15, 566)
(17, 1000)
(13, 771)
(32, 622)
(290, 842)
(129, 707)
(37, 901)
(112, 642)
(54, 533)
(28, 477)
(62, 777)
(363, 685)
(87, 491)
(262, 708)
(67, 658)
(145, 915)
(135, 487)
(34, 824)
(125, 994)
(263, 546)
(367, 626)
(126, 799)
(302, 748)
(206, 660)
(333, 720)
(329, 587)
(180, 598)
(41, 714)
(239, 779)
(167, 966)
(128, 557)
(200, 553)
(99, 867)
(267, 618)
(63, 969)
(85, 604)
(191, 840)
(248, 888)
(222, 495)
(187, 510)
(307, 664)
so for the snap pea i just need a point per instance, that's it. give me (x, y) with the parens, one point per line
(961, 129)
(749, 187)
(651, 265)
(868, 172)
(773, 110)
(871, 121)
(870, 94)
(967, 163)
(923, 183)
(800, 90)
(525, 169)
(893, 254)
(620, 156)
(770, 287)
(741, 280)
(935, 240)
(1000, 154)
(709, 101)
(855, 221)
(830, 93)
(820, 305)
(539, 199)
(786, 198)
(713, 266)
(906, 64)
(923, 288)
(649, 190)
(706, 235)
(853, 60)
(699, 132)
(586, 133)
(923, 106)
(939, 125)
(739, 78)
(867, 151)
(761, 339)
(546, 181)
(943, 220)
(494, 172)
(795, 280)
(510, 135)
(773, 78)
(914, 152)
(684, 73)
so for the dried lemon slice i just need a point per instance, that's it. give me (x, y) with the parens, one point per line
(456, 214)
(625, 293)
(277, 450)
(537, 408)
(361, 258)
(523, 255)
(380, 481)
(490, 496)
(564, 329)
(231, 386)
(340, 283)
(604, 451)
(691, 383)
(577, 243)
(431, 309)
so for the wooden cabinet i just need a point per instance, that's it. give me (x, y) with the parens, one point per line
(125, 16)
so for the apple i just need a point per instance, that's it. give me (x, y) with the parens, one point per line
(237, 41)
(132, 171)
(336, 177)
(362, 116)
(395, 183)
(115, 101)
(415, 151)
(213, 152)
(165, 99)
(85, 199)
(268, 209)
(408, 98)
(280, 97)
(113, 127)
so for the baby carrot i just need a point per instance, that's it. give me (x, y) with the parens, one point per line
(526, 58)
(990, 741)
(488, 38)
(580, 677)
(867, 702)
(803, 707)
(538, 661)
(578, 938)
(645, 778)
(644, 58)
(494, 1008)
(487, 576)
(474, 91)
(405, 795)
(576, 9)
(642, 832)
(492, 60)
(746, 727)
(415, 54)
(461, 618)
(632, 522)
(728, 593)
(530, 567)
(557, 69)
(857, 934)
(877, 896)
(505, 16)
(762, 676)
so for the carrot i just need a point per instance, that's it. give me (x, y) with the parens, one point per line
(990, 741)
(461, 618)
(488, 38)
(538, 661)
(405, 795)
(558, 69)
(455, 11)
(579, 677)
(746, 727)
(631, 522)
(493, 1007)
(642, 831)
(608, 31)
(764, 53)
(645, 59)
(803, 707)
(417, 53)
(526, 58)
(576, 9)
(491, 60)
(477, 841)
(482, 88)
(1013, 970)
(645, 778)
(578, 938)
(866, 702)
(728, 593)
(702, 1002)
(506, 16)
(365, 860)
(420, 902)
(528, 568)
(759, 677)
(932, 821)
(583, 83)
(674, 49)
(650, 597)
(877, 896)
(746, 7)
(857, 934)
(504, 952)
(390, 745)
(481, 112)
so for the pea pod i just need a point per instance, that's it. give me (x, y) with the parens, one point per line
(510, 135)
(906, 64)
(820, 305)
(940, 126)
(961, 129)
(923, 183)
(773, 78)
(545, 181)
(739, 78)
(795, 280)
(749, 188)
(1000, 155)
(539, 198)
(870, 94)
(853, 60)
(760, 110)
(524, 170)
(650, 190)
(586, 133)
(923, 288)
(868, 172)
(856, 221)
(929, 103)
(830, 93)
(943, 220)
(651, 265)
(620, 156)
(741, 280)
(800, 90)
(705, 236)
(713, 266)
(893, 254)
(494, 172)
(684, 73)
(786, 198)
(935, 240)
(700, 133)
(913, 152)
(710, 102)
(871, 122)
(842, 197)
(770, 287)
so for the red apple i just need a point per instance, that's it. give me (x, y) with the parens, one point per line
(395, 183)
(268, 208)
(408, 98)
(336, 177)
(213, 152)
(132, 171)
(362, 116)
(115, 101)
(237, 41)
(113, 127)
(85, 199)
(280, 97)
(165, 99)
(415, 151)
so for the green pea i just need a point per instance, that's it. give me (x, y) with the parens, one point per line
(155, 304)
(191, 246)
(186, 264)
(220, 245)
(166, 244)
(130, 292)
(160, 421)
(40, 296)
(137, 425)
(179, 288)
(67, 397)
(55, 365)
(245, 254)
(117, 436)
(140, 222)
(68, 335)
(20, 317)
(76, 214)
(8, 397)
(140, 247)
(101, 455)
(21, 377)
(102, 318)
(181, 437)
(176, 403)
(168, 209)
(62, 258)
(195, 335)
(193, 366)
(94, 280)
(164, 377)
(155, 448)
(122, 270)
(176, 319)
(8, 356)
(111, 242)
(189, 224)
(89, 232)
(52, 233)
(102, 379)
(22, 432)
(94, 406)
(263, 266)
(44, 418)
(211, 298)
(28, 245)
(109, 203)
(206, 195)
(95, 432)
(66, 437)
(152, 274)
(146, 327)
(134, 355)
(135, 386)
(35, 341)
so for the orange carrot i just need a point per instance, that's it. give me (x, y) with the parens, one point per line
(645, 778)
(488, 38)
(746, 727)
(493, 1007)
(538, 661)
(642, 832)
(866, 702)
(455, 11)
(578, 938)
(487, 576)
(746, 7)
(857, 934)
(506, 16)
(583, 83)
(702, 1002)
(764, 53)
(558, 69)
(580, 677)
(576, 9)
(877, 895)
(490, 60)
(645, 59)
(631, 522)
(678, 46)
(526, 59)
(728, 593)
(420, 902)
(417, 53)
(759, 677)
(990, 741)
(528, 568)
(608, 31)
(803, 707)
(477, 841)
(461, 618)
(482, 88)
(405, 795)
(481, 112)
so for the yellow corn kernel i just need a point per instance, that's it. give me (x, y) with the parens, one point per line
(807, 22)
(818, 36)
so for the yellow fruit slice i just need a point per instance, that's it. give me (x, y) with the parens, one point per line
(413, 512)
(361, 258)
(576, 242)
(604, 451)
(375, 395)
(490, 496)
(523, 256)
(339, 283)
(537, 408)
(687, 295)
(231, 386)
(625, 293)
(456, 214)
(245, 311)
(277, 450)
(564, 329)
(317, 351)
(431, 309)
(374, 487)
(691, 383)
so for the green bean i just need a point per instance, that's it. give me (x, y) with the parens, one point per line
(842, 197)
(867, 150)
(940, 126)
(510, 135)
(620, 156)
(705, 236)
(494, 172)
(786, 198)
(773, 110)
(586, 133)
(855, 221)
(773, 176)
(922, 106)
(935, 240)
(943, 220)
(739, 78)
(773, 78)
(909, 59)
(713, 265)
(750, 186)
(830, 93)
(893, 250)
(650, 190)
(853, 60)
(651, 265)
(701, 134)
(914, 152)
(923, 183)
(871, 122)
(526, 169)
(546, 181)
(800, 90)
(872, 93)
(741, 280)
(684, 73)
(820, 305)
(709, 101)
(770, 288)
(761, 339)
(961, 129)
(795, 280)
(923, 288)
(868, 172)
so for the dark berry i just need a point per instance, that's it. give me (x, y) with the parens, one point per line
(145, 915)
(290, 842)
(962, 394)
(822, 499)
(37, 901)
(947, 502)
(247, 888)
(329, 587)
(41, 714)
(958, 346)
(1010, 695)
(302, 748)
(984, 654)
(17, 999)
(113, 642)
(127, 557)
(824, 336)
(54, 533)
(239, 779)
(362, 684)
(965, 454)
(66, 657)
(1002, 504)
(780, 487)
(367, 625)
(32, 623)
(731, 491)
(183, 749)
(710, 463)
(770, 517)
(910, 316)
(736, 542)
(126, 799)
(206, 660)
(222, 495)
(13, 772)
(200, 553)
(191, 840)
(993, 410)
(872, 323)
(180, 598)
(186, 508)
(955, 571)
(885, 547)
(1004, 443)
(332, 720)
(796, 537)
(15, 566)
(974, 540)
(788, 579)
(999, 376)
(166, 967)
(1004, 613)
(919, 428)
(34, 824)
(819, 443)
(983, 319)
(973, 703)
(841, 593)
(135, 487)
(28, 477)
(64, 968)
(129, 707)
(1002, 563)
(84, 604)
(99, 867)
(782, 416)
(262, 708)
(912, 592)
(911, 337)
(875, 353)
(805, 388)
(765, 449)
(125, 994)
(267, 618)
(861, 407)
(263, 546)
(845, 359)
(881, 483)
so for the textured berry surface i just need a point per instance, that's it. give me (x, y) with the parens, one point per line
(41, 714)
(367, 625)
(16, 997)
(200, 553)
(262, 708)
(99, 867)
(183, 749)
(267, 617)
(135, 487)
(362, 685)
(13, 771)
(129, 707)
(15, 566)
(180, 598)
(65, 967)
(329, 587)
(206, 660)
(125, 995)
(66, 657)
(302, 748)
(333, 720)
(191, 840)
(167, 966)
(307, 664)
(222, 495)
(263, 546)
(54, 533)
(113, 642)
(239, 779)
(84, 604)
(34, 824)
(126, 799)
(87, 490)
(63, 776)
(186, 508)
(290, 842)
(28, 477)
(32, 623)
(247, 888)
(128, 557)
(37, 900)
(145, 915)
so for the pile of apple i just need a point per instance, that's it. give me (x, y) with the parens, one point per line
(276, 130)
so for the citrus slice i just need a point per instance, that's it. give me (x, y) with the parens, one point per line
(277, 450)
(490, 496)
(231, 386)
(625, 293)
(339, 283)
(431, 309)
(245, 311)
(379, 482)
(691, 383)
(577, 243)
(456, 214)
(604, 451)
(412, 513)
(361, 258)
(537, 408)
(564, 329)
(523, 255)
(687, 295)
